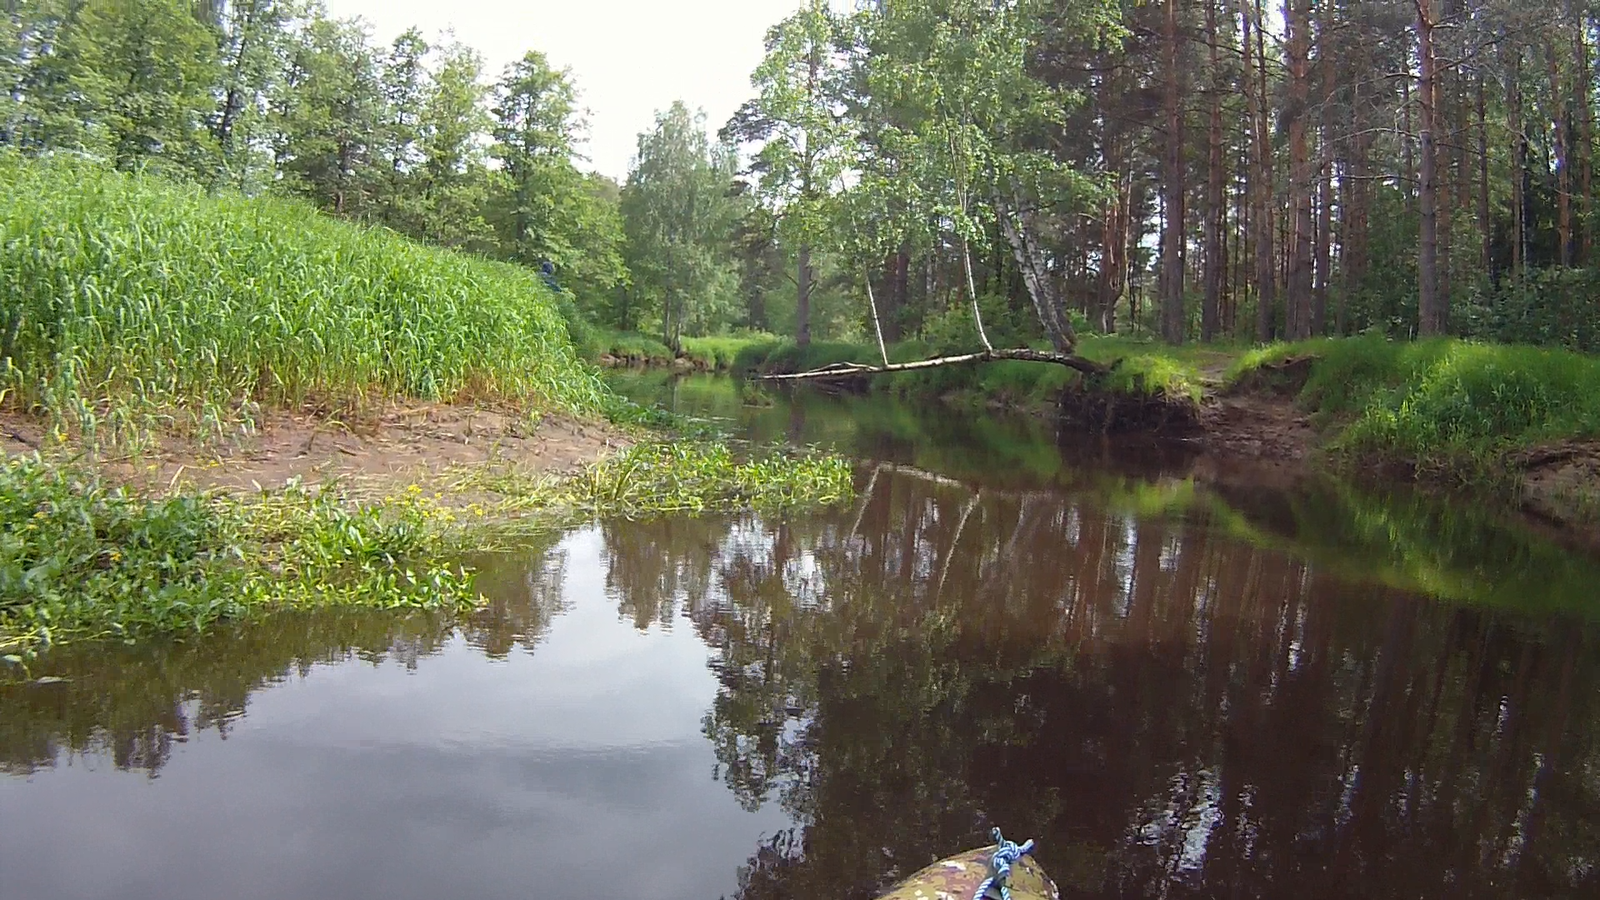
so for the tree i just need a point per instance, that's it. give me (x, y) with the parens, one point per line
(250, 37)
(679, 220)
(978, 126)
(147, 68)
(1433, 318)
(598, 273)
(802, 140)
(536, 125)
(404, 82)
(454, 182)
(328, 114)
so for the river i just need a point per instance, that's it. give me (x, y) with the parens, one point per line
(1180, 681)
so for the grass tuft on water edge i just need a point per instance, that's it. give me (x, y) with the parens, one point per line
(81, 558)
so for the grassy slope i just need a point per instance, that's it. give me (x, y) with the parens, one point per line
(1448, 409)
(129, 297)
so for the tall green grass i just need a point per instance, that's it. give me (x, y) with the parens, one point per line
(124, 298)
(1447, 408)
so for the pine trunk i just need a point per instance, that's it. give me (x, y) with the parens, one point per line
(1173, 193)
(1430, 316)
(1261, 181)
(1215, 262)
(1519, 167)
(1562, 123)
(1297, 303)
(1324, 273)
(1485, 224)
(1583, 101)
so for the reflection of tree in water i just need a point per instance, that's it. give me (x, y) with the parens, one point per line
(654, 566)
(133, 703)
(525, 595)
(1169, 712)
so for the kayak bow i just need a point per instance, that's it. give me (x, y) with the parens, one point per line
(959, 877)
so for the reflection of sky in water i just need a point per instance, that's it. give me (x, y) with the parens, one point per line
(575, 771)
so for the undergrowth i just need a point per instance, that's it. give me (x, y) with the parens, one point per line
(133, 302)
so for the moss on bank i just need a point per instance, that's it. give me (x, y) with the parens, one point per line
(82, 558)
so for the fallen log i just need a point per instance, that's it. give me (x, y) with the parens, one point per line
(857, 370)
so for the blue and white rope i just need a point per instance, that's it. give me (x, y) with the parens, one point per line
(1005, 853)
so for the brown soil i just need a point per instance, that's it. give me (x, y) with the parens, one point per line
(1104, 412)
(1561, 482)
(1260, 427)
(380, 453)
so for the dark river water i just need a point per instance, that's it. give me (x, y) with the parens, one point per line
(1180, 681)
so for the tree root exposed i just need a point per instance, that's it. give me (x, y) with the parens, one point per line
(858, 370)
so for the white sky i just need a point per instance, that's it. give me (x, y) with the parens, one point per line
(629, 58)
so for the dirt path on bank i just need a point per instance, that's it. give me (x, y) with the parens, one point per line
(379, 453)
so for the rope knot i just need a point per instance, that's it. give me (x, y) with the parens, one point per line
(1005, 853)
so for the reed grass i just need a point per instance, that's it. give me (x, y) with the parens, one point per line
(131, 302)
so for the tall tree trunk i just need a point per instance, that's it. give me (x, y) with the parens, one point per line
(1355, 220)
(1017, 225)
(1173, 186)
(1485, 224)
(1519, 167)
(1297, 303)
(899, 287)
(1215, 261)
(1583, 101)
(1431, 317)
(1563, 128)
(1261, 182)
(808, 187)
(1324, 273)
(1407, 138)
(802, 304)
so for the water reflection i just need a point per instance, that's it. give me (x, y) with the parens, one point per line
(1179, 688)
(1171, 711)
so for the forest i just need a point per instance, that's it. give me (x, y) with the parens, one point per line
(1202, 170)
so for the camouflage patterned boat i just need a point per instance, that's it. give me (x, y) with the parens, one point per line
(959, 877)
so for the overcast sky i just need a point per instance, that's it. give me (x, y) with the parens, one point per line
(629, 58)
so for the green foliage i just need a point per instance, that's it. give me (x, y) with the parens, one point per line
(1450, 409)
(328, 116)
(148, 68)
(1549, 307)
(127, 296)
(81, 559)
(726, 352)
(805, 146)
(652, 479)
(632, 347)
(679, 216)
(125, 80)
